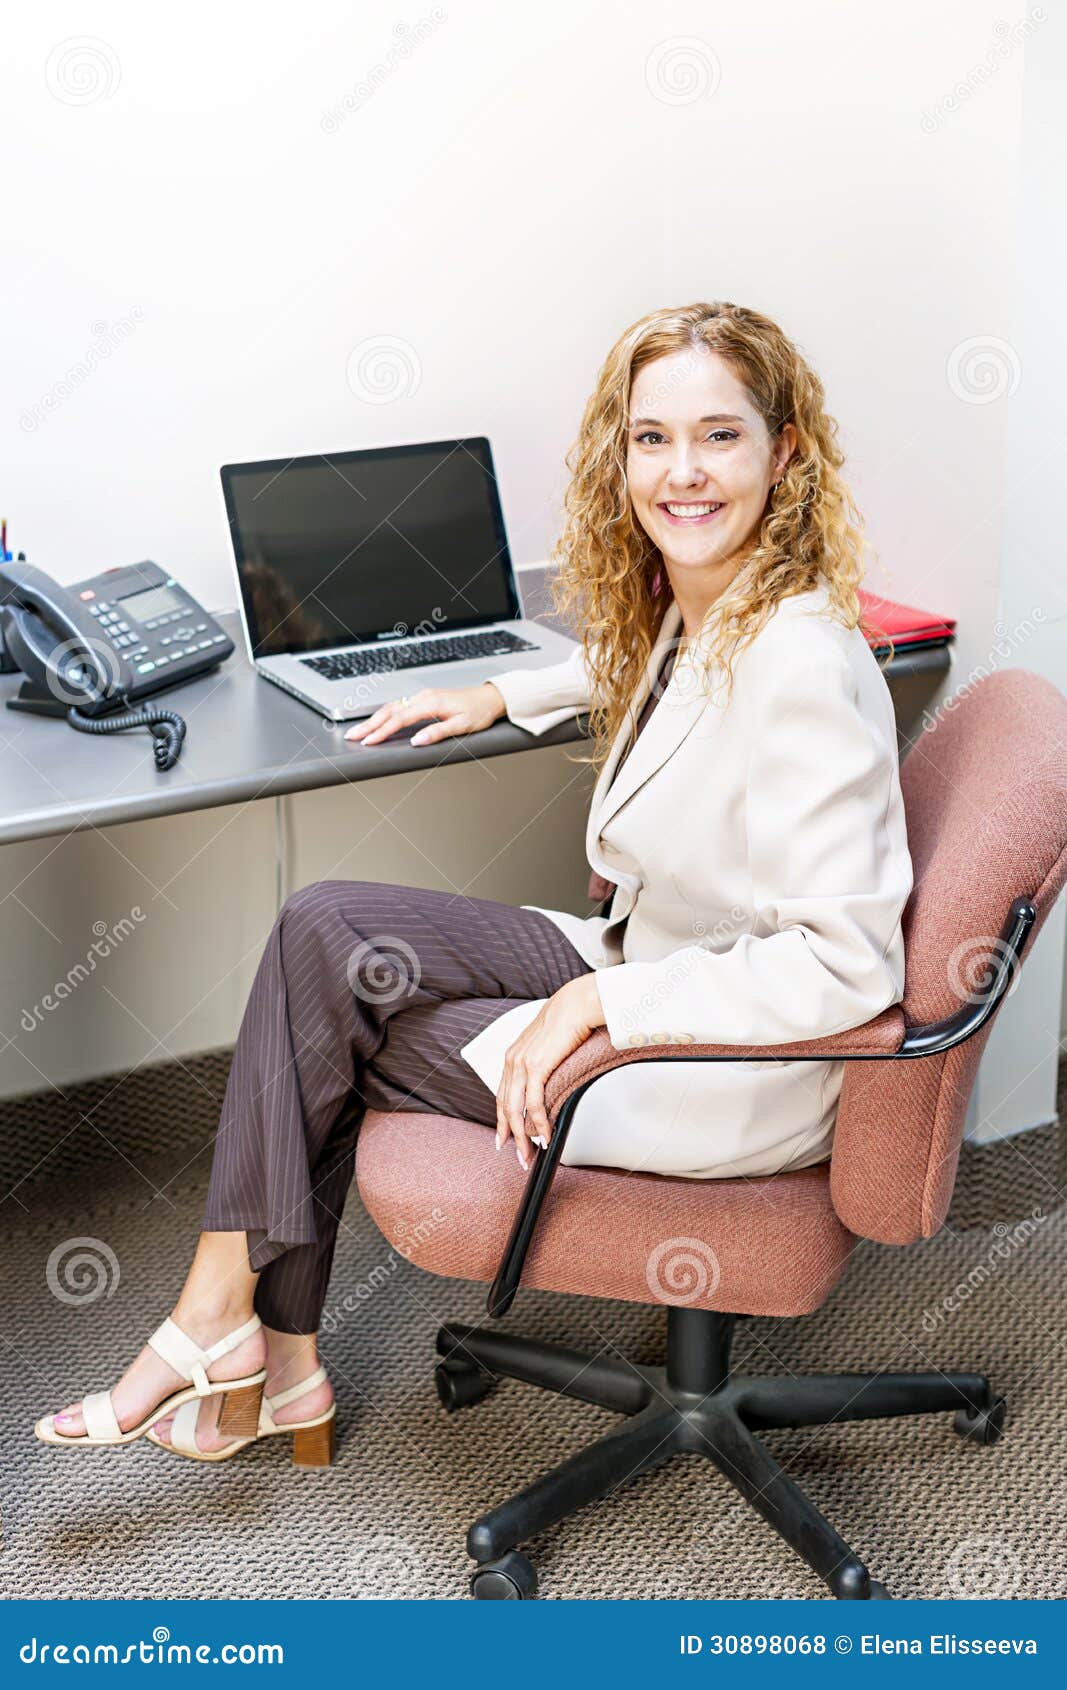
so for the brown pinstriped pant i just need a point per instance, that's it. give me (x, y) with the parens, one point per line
(363, 998)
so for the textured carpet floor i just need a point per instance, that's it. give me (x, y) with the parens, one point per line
(932, 1517)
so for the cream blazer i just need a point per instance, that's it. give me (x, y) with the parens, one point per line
(761, 863)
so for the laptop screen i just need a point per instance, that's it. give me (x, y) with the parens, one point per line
(353, 547)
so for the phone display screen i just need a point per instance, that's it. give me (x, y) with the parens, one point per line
(153, 602)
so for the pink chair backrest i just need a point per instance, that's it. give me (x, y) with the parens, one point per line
(985, 792)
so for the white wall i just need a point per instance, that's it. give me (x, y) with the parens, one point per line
(210, 214)
(504, 203)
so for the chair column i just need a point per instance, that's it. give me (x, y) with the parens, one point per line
(698, 1349)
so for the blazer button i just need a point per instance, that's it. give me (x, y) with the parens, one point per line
(684, 1039)
(639, 1038)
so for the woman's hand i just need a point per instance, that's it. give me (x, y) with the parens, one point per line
(459, 710)
(564, 1023)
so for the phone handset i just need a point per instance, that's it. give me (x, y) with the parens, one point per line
(53, 639)
(72, 669)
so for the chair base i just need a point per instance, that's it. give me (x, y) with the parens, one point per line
(692, 1405)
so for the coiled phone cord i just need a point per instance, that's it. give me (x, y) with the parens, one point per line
(167, 729)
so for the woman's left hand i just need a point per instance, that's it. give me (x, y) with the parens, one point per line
(563, 1023)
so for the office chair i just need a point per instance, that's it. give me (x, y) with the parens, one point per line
(985, 791)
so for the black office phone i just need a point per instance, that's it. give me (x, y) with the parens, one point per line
(91, 650)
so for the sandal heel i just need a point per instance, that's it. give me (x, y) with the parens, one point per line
(239, 1414)
(313, 1446)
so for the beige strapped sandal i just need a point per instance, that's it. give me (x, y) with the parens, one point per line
(313, 1440)
(238, 1413)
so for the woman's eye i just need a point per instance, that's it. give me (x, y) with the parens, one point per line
(652, 436)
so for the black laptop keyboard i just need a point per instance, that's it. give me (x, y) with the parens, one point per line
(417, 654)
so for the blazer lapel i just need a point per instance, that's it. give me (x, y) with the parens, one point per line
(673, 716)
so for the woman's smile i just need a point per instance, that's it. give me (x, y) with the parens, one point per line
(684, 513)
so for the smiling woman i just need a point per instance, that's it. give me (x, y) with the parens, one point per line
(754, 834)
(755, 831)
(706, 473)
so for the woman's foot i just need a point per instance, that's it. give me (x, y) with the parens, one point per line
(289, 1359)
(149, 1381)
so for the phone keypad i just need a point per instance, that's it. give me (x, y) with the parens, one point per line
(146, 656)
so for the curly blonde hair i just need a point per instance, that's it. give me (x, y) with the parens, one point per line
(610, 582)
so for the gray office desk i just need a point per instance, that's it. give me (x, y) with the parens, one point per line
(247, 739)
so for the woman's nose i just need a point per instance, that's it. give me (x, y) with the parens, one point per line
(684, 472)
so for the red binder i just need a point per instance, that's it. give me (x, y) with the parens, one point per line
(902, 623)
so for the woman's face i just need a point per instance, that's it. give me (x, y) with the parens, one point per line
(699, 461)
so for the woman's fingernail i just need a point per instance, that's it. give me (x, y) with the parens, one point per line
(418, 739)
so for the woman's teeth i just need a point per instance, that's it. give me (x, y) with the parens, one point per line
(693, 510)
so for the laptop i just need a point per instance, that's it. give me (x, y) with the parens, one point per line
(364, 576)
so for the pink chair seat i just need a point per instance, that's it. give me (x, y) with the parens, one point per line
(446, 1201)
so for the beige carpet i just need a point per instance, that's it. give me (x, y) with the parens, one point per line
(126, 1165)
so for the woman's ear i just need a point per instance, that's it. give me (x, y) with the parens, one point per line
(784, 447)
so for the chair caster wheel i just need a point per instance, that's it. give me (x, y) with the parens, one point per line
(511, 1579)
(985, 1426)
(458, 1385)
(879, 1593)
